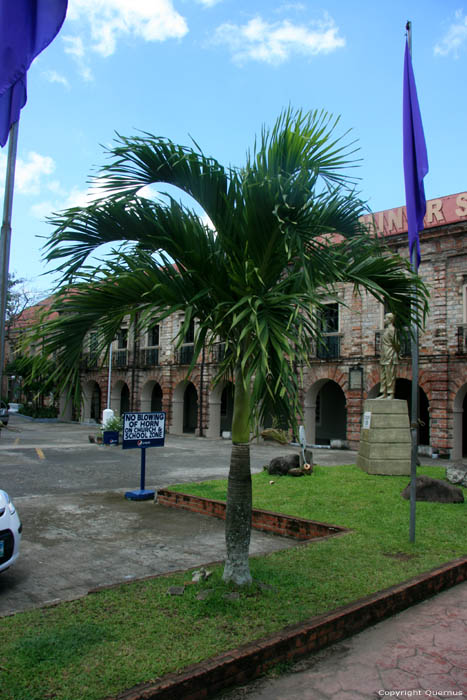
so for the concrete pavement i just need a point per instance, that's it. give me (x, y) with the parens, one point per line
(419, 653)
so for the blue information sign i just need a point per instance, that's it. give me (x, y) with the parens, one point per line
(141, 430)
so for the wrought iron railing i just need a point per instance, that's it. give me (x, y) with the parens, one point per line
(149, 357)
(329, 347)
(120, 358)
(184, 355)
(90, 360)
(218, 352)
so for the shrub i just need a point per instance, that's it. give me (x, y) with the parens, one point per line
(38, 411)
(114, 423)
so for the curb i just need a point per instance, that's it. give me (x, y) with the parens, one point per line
(247, 662)
(301, 529)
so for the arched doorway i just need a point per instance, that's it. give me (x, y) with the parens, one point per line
(190, 409)
(227, 399)
(404, 391)
(325, 413)
(124, 399)
(156, 398)
(459, 437)
(120, 398)
(96, 402)
(151, 396)
(91, 401)
(220, 405)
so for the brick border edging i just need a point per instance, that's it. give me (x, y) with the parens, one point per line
(247, 662)
(265, 520)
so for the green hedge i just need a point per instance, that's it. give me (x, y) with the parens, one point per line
(39, 411)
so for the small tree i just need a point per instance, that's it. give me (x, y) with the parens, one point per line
(286, 232)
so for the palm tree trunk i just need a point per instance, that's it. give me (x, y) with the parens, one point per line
(239, 501)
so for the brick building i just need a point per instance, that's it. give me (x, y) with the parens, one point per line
(148, 374)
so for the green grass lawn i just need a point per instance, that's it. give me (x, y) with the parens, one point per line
(99, 645)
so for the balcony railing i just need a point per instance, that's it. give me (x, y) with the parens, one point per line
(218, 353)
(462, 339)
(90, 360)
(329, 347)
(149, 357)
(405, 345)
(184, 355)
(120, 358)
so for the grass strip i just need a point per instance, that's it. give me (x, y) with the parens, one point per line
(99, 645)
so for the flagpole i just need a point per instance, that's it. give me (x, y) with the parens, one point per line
(415, 362)
(5, 239)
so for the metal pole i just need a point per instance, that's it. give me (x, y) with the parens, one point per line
(143, 469)
(109, 380)
(414, 419)
(5, 240)
(415, 359)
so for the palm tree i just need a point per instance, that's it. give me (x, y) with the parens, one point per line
(285, 232)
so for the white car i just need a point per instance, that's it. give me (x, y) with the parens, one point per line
(10, 531)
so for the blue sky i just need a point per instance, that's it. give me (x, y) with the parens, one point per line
(218, 70)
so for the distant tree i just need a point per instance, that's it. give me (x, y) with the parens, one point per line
(286, 233)
(19, 298)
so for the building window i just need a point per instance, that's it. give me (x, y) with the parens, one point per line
(328, 347)
(121, 354)
(93, 350)
(462, 329)
(329, 318)
(190, 334)
(122, 339)
(153, 336)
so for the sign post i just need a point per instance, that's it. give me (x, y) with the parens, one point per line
(142, 430)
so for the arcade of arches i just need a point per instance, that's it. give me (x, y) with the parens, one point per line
(330, 410)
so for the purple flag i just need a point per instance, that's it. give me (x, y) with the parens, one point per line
(415, 157)
(26, 28)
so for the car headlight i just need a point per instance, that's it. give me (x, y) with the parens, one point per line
(10, 505)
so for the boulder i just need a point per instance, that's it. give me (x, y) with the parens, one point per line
(296, 471)
(282, 465)
(434, 490)
(456, 473)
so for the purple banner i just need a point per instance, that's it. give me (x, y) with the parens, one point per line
(415, 157)
(26, 28)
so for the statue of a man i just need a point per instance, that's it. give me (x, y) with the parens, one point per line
(389, 358)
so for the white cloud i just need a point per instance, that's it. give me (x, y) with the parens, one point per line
(42, 210)
(455, 37)
(275, 42)
(76, 197)
(109, 20)
(80, 198)
(53, 77)
(208, 3)
(29, 173)
(74, 46)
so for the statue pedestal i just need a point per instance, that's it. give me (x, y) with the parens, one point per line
(385, 440)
